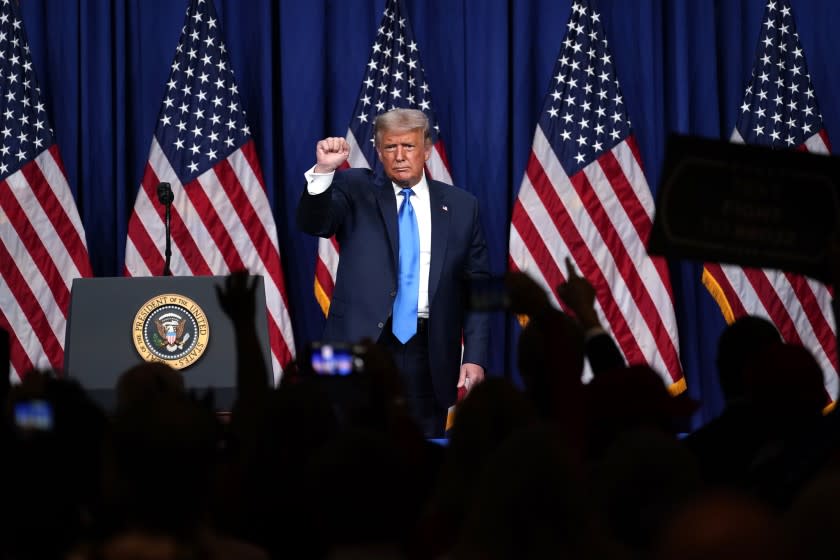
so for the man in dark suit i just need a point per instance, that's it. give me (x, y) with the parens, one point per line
(382, 279)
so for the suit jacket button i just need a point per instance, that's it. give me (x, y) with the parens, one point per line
(380, 325)
(393, 293)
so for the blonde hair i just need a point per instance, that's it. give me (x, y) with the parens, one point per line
(399, 120)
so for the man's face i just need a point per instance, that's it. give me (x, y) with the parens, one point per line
(403, 155)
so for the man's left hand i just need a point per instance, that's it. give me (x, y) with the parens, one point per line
(471, 375)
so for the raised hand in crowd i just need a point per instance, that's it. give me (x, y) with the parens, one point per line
(579, 295)
(527, 297)
(237, 299)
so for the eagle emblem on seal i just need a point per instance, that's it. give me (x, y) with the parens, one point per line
(171, 329)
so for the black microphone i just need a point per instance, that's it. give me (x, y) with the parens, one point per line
(164, 193)
(165, 197)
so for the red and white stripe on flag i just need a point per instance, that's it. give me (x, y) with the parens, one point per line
(780, 110)
(221, 220)
(394, 78)
(43, 249)
(584, 195)
(42, 242)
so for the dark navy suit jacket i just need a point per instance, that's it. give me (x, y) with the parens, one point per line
(360, 209)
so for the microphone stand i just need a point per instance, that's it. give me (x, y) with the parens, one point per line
(165, 197)
(167, 253)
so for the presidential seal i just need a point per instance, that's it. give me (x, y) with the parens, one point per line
(171, 328)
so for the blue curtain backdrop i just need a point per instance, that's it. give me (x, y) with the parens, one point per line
(682, 64)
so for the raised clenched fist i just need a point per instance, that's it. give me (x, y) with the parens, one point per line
(330, 153)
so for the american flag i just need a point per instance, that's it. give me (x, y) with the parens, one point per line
(584, 195)
(202, 146)
(394, 79)
(780, 111)
(42, 242)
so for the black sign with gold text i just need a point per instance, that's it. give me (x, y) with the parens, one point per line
(747, 205)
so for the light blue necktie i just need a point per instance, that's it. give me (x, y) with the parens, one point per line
(404, 321)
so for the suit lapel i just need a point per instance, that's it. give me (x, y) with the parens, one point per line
(440, 233)
(387, 201)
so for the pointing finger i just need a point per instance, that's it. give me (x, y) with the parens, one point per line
(570, 269)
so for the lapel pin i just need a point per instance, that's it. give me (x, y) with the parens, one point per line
(444, 208)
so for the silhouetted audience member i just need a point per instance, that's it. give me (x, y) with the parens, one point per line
(644, 476)
(237, 298)
(550, 356)
(52, 466)
(631, 398)
(726, 446)
(6, 433)
(388, 414)
(738, 346)
(372, 397)
(531, 502)
(724, 526)
(813, 520)
(552, 348)
(785, 385)
(262, 498)
(490, 414)
(160, 463)
(148, 383)
(362, 496)
(143, 545)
